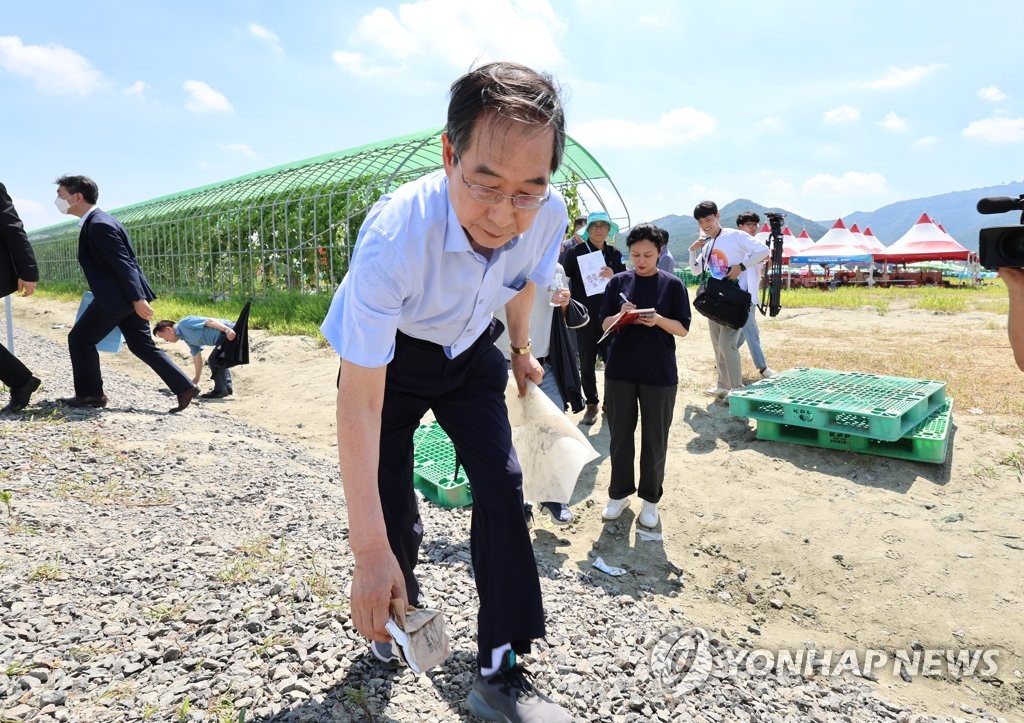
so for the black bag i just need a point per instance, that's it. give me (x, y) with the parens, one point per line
(723, 302)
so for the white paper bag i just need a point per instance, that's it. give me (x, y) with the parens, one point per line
(551, 449)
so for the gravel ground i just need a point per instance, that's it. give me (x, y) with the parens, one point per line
(192, 568)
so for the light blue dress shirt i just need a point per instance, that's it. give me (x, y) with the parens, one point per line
(193, 331)
(413, 271)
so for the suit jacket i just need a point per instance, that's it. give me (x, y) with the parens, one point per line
(17, 260)
(110, 265)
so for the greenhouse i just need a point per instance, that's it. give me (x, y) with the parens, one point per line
(289, 228)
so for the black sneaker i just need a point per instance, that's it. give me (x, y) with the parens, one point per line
(509, 696)
(560, 513)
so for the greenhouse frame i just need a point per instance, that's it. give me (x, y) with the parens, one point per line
(289, 228)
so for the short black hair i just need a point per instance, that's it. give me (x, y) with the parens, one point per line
(748, 217)
(163, 324)
(80, 184)
(705, 209)
(579, 223)
(511, 92)
(647, 232)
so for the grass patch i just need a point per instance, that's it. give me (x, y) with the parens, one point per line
(257, 558)
(270, 642)
(278, 312)
(48, 571)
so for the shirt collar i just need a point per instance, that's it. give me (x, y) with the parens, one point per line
(81, 221)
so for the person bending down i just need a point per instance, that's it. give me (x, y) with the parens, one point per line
(197, 332)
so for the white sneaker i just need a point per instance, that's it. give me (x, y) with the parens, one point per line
(649, 514)
(715, 391)
(768, 373)
(614, 508)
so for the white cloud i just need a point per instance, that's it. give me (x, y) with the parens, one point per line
(204, 99)
(265, 34)
(842, 114)
(54, 69)
(902, 77)
(992, 93)
(996, 130)
(240, 148)
(357, 64)
(34, 215)
(851, 183)
(676, 127)
(461, 33)
(137, 89)
(893, 122)
(925, 142)
(771, 123)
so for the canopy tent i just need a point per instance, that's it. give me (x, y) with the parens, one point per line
(792, 245)
(764, 235)
(924, 242)
(858, 237)
(871, 242)
(837, 246)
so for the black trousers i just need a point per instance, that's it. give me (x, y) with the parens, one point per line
(656, 405)
(12, 372)
(467, 396)
(96, 324)
(586, 338)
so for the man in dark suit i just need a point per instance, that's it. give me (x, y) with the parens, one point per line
(121, 298)
(18, 272)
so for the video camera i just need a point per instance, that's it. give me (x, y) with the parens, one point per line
(1001, 245)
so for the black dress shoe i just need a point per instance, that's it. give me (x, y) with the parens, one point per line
(185, 398)
(97, 402)
(215, 394)
(20, 395)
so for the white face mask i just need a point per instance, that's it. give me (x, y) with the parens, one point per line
(61, 204)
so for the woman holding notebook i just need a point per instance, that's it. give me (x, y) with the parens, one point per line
(646, 308)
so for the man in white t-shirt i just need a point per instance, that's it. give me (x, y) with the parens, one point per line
(725, 253)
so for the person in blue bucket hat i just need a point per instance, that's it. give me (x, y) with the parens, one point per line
(596, 238)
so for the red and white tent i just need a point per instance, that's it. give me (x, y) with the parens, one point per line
(837, 246)
(792, 245)
(923, 242)
(871, 242)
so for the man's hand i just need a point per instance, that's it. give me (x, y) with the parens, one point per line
(1014, 280)
(143, 309)
(734, 272)
(525, 366)
(376, 580)
(606, 272)
(698, 244)
(26, 287)
(230, 334)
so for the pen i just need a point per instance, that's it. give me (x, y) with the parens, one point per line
(623, 297)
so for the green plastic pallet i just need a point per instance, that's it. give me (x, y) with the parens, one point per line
(867, 405)
(434, 468)
(928, 442)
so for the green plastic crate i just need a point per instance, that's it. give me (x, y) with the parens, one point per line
(867, 405)
(434, 468)
(928, 442)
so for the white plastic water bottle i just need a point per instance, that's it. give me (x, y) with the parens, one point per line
(556, 285)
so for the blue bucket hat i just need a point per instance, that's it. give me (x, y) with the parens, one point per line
(598, 216)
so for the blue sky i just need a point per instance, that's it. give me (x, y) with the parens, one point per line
(824, 108)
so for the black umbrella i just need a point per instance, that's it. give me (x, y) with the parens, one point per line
(236, 351)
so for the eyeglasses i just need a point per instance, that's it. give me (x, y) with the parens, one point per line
(485, 194)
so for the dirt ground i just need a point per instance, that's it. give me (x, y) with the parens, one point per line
(862, 552)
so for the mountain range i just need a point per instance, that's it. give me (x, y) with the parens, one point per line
(956, 211)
